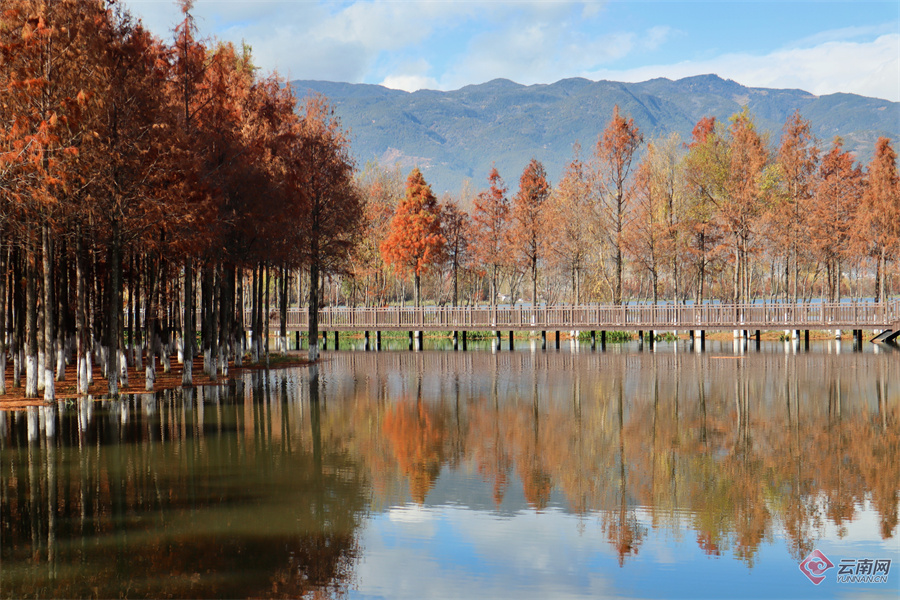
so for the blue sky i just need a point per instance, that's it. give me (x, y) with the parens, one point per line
(821, 47)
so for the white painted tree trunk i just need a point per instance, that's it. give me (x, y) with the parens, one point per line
(31, 376)
(40, 371)
(49, 383)
(83, 370)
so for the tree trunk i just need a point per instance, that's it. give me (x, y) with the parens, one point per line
(141, 309)
(31, 336)
(455, 283)
(266, 317)
(112, 333)
(418, 289)
(618, 292)
(284, 302)
(18, 315)
(189, 332)
(4, 322)
(151, 322)
(313, 310)
(49, 304)
(81, 322)
(240, 333)
(213, 327)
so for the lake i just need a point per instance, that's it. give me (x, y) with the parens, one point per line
(622, 473)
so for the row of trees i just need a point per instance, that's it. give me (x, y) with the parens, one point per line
(146, 184)
(721, 215)
(143, 184)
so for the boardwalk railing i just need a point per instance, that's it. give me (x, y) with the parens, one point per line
(772, 316)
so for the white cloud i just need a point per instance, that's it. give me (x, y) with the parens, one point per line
(409, 83)
(867, 68)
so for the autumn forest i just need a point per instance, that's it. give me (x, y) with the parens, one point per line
(146, 184)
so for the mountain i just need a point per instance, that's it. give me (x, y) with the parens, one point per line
(457, 135)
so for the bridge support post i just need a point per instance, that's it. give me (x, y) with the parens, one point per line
(464, 340)
(324, 340)
(640, 338)
(455, 340)
(557, 339)
(367, 341)
(410, 340)
(593, 340)
(420, 341)
(337, 342)
(543, 340)
(603, 340)
(499, 337)
(378, 340)
(651, 338)
(297, 340)
(511, 343)
(702, 340)
(806, 339)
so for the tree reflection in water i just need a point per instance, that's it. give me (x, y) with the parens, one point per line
(213, 492)
(735, 449)
(260, 489)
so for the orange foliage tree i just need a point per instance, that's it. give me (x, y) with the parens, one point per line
(456, 226)
(704, 174)
(491, 229)
(320, 175)
(834, 208)
(880, 214)
(570, 241)
(788, 217)
(743, 205)
(415, 241)
(528, 235)
(614, 156)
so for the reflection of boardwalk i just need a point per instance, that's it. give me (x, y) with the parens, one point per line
(773, 316)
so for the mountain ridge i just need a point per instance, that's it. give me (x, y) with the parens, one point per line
(459, 134)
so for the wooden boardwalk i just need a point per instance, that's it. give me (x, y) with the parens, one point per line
(635, 317)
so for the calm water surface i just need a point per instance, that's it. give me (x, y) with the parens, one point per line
(525, 474)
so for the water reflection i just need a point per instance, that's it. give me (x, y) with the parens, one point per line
(208, 493)
(305, 480)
